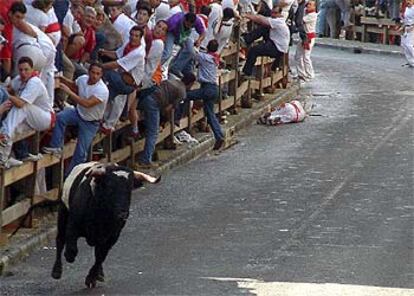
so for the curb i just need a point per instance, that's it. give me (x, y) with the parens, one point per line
(19, 250)
(358, 47)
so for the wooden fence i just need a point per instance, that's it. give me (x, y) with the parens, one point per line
(24, 177)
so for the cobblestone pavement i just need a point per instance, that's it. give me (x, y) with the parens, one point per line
(323, 207)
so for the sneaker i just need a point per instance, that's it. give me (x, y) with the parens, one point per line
(12, 162)
(51, 150)
(219, 144)
(32, 157)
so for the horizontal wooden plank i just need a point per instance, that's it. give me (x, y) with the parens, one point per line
(15, 211)
(377, 21)
(24, 135)
(51, 195)
(15, 174)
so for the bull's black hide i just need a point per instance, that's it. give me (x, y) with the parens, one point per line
(99, 201)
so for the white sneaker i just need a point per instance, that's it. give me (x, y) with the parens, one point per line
(31, 157)
(183, 136)
(50, 150)
(12, 162)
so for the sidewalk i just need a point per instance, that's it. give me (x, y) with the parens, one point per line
(27, 240)
(363, 47)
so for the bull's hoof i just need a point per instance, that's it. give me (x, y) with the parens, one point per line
(90, 281)
(100, 277)
(57, 272)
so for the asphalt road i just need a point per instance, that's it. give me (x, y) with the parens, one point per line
(324, 207)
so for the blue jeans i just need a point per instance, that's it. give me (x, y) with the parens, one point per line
(321, 21)
(86, 132)
(152, 125)
(208, 92)
(116, 86)
(182, 62)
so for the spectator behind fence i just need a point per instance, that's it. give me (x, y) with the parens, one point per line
(90, 94)
(123, 75)
(162, 99)
(275, 44)
(208, 63)
(40, 49)
(32, 107)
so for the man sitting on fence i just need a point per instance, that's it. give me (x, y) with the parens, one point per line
(90, 94)
(275, 45)
(32, 107)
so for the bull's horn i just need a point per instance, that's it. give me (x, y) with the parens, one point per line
(145, 177)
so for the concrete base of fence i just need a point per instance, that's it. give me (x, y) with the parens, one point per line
(28, 240)
(359, 47)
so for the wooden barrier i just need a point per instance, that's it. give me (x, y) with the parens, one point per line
(27, 173)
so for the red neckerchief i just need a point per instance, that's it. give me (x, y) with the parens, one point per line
(216, 57)
(129, 47)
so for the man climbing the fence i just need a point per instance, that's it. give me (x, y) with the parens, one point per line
(90, 94)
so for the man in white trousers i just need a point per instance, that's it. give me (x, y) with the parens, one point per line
(31, 107)
(304, 47)
(407, 38)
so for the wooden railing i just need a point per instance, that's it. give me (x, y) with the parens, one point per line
(240, 95)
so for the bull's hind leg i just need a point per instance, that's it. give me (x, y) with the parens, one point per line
(60, 241)
(96, 271)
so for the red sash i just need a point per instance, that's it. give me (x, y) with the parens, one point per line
(310, 36)
(55, 27)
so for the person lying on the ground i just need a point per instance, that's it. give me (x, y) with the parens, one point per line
(291, 112)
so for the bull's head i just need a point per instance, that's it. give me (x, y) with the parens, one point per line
(112, 186)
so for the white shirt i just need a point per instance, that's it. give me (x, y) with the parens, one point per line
(55, 36)
(309, 22)
(99, 90)
(43, 41)
(36, 17)
(279, 33)
(285, 9)
(162, 12)
(409, 16)
(70, 22)
(175, 9)
(152, 61)
(133, 62)
(33, 92)
(214, 19)
(123, 25)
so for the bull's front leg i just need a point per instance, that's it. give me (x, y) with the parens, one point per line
(60, 241)
(96, 272)
(72, 235)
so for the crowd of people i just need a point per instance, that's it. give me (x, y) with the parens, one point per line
(88, 63)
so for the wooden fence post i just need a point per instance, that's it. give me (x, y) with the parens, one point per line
(3, 236)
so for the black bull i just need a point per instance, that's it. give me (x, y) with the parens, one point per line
(97, 208)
